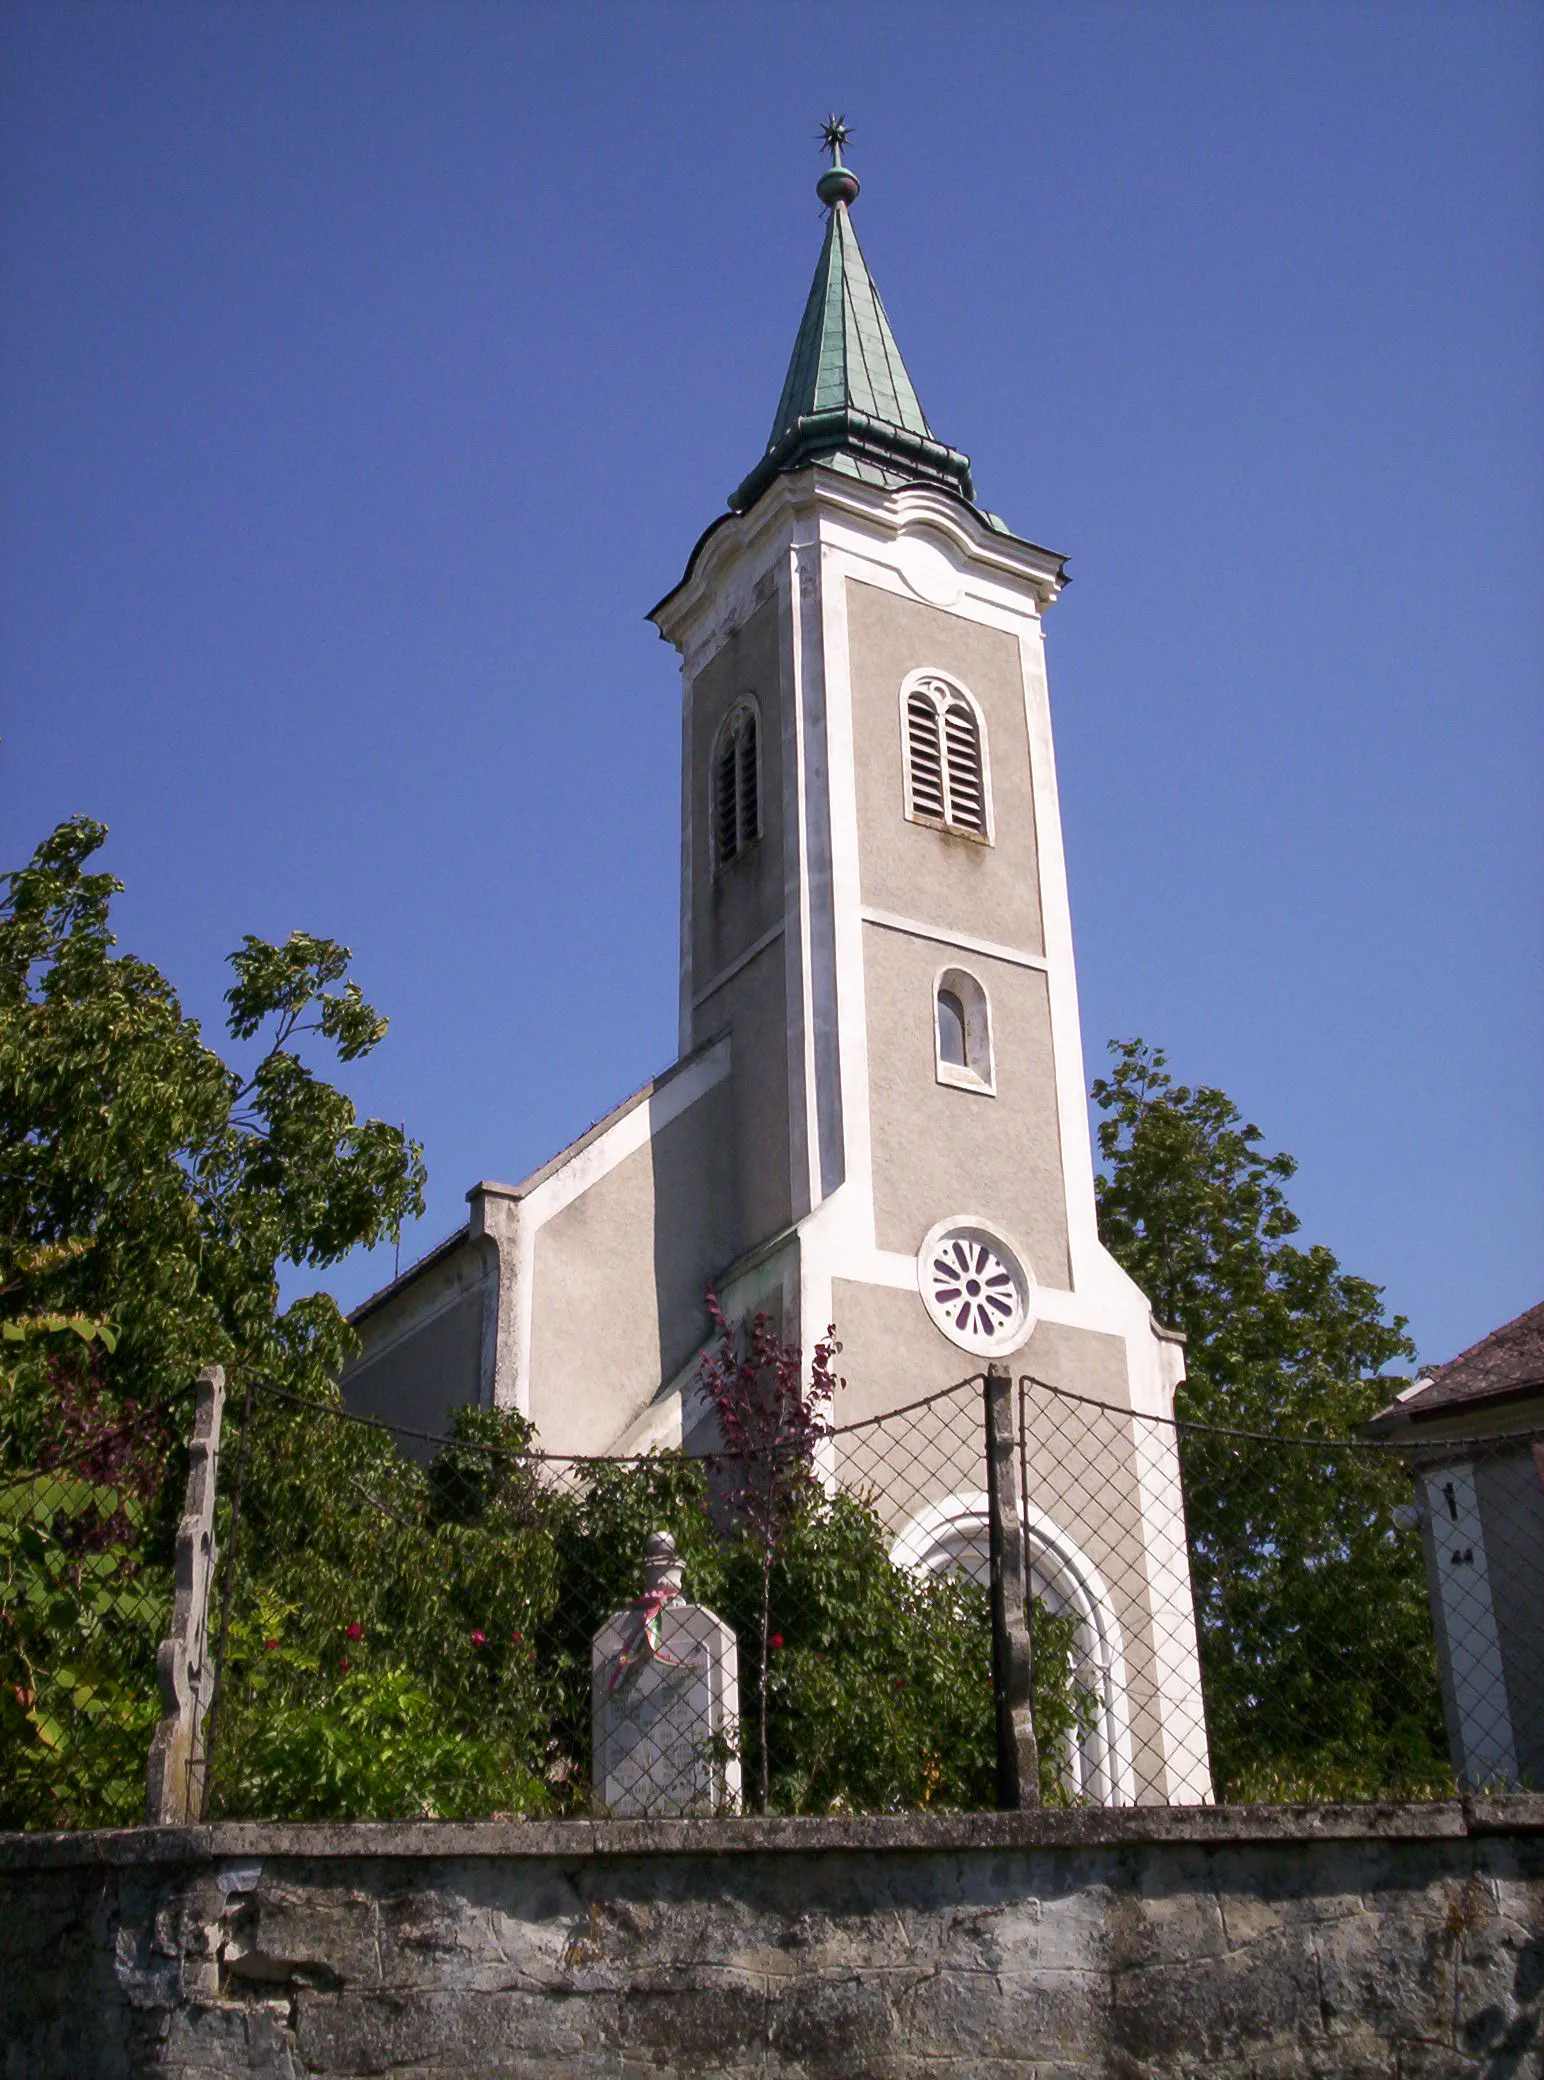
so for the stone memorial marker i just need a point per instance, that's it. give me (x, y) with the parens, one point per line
(665, 1701)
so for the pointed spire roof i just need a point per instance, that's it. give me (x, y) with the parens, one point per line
(847, 400)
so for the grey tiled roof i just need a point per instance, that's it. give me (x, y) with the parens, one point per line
(1509, 1360)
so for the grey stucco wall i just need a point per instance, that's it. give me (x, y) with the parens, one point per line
(422, 1351)
(953, 882)
(620, 1274)
(731, 909)
(756, 1006)
(892, 1353)
(734, 909)
(752, 1007)
(939, 1150)
(1389, 1941)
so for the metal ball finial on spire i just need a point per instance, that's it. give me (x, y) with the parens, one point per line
(838, 183)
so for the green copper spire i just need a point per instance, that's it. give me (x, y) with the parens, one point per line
(847, 400)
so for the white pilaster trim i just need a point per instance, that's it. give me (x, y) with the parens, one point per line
(685, 997)
(1083, 1244)
(803, 1125)
(822, 1005)
(844, 1222)
(1176, 1655)
(495, 1226)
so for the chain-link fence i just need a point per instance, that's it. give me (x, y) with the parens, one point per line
(1275, 1618)
(450, 1625)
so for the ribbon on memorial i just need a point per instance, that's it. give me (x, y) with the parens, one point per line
(645, 1641)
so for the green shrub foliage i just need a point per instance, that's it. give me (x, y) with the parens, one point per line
(366, 1584)
(454, 1603)
(85, 1587)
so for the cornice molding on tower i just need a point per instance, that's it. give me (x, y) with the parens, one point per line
(888, 515)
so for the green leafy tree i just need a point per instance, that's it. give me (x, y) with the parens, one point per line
(178, 1184)
(148, 1193)
(1315, 1637)
(878, 1684)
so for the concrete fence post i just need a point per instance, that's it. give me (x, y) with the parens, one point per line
(184, 1676)
(1018, 1761)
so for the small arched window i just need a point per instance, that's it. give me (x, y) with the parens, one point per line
(736, 805)
(946, 766)
(951, 1029)
(962, 1031)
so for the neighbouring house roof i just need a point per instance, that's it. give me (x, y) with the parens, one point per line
(1503, 1366)
(847, 399)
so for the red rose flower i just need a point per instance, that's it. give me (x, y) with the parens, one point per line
(775, 1641)
(269, 1645)
(353, 1632)
(479, 1639)
(344, 1666)
(517, 1637)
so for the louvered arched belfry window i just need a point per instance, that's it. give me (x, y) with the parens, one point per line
(736, 807)
(946, 766)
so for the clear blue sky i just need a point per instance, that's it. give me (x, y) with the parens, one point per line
(367, 372)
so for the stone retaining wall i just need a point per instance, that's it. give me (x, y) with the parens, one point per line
(1399, 1941)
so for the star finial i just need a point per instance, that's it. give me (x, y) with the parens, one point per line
(838, 184)
(834, 133)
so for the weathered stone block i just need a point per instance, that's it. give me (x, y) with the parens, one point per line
(971, 2016)
(283, 1934)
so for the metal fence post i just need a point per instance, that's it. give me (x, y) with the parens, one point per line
(1018, 1761)
(182, 1660)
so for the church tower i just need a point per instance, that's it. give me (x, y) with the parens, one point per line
(874, 904)
(877, 1118)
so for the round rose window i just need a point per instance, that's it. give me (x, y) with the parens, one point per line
(975, 1288)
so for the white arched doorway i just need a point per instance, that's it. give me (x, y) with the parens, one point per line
(954, 1534)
